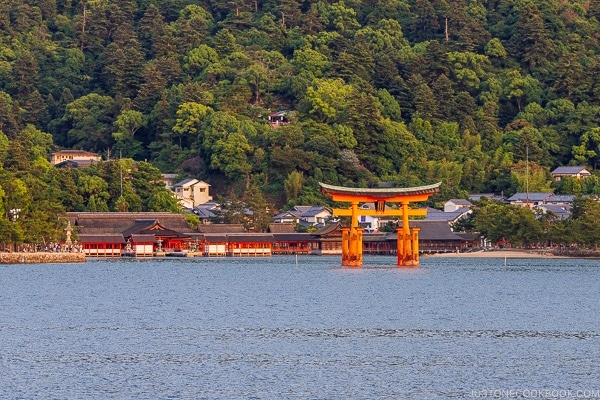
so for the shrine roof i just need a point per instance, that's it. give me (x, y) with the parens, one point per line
(380, 192)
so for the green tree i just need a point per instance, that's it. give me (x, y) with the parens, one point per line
(94, 191)
(293, 185)
(261, 212)
(521, 88)
(232, 210)
(531, 38)
(230, 155)
(585, 215)
(190, 119)
(493, 221)
(90, 120)
(147, 184)
(588, 151)
(327, 100)
(128, 123)
(163, 200)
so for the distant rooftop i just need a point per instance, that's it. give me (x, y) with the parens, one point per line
(532, 196)
(568, 170)
(489, 196)
(461, 202)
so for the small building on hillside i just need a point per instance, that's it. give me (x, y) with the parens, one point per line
(530, 200)
(456, 204)
(560, 200)
(278, 118)
(169, 180)
(74, 158)
(572, 172)
(450, 217)
(287, 217)
(561, 211)
(487, 196)
(192, 192)
(207, 212)
(304, 215)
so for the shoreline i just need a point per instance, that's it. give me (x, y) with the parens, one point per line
(41, 258)
(503, 254)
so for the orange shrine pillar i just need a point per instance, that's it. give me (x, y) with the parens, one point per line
(408, 242)
(352, 247)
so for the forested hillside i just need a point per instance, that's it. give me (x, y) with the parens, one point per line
(404, 91)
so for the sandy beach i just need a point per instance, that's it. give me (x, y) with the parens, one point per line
(499, 254)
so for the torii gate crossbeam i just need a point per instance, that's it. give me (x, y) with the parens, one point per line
(408, 241)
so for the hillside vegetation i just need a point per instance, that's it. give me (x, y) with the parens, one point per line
(473, 94)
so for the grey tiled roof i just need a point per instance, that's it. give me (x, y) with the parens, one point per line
(567, 170)
(462, 202)
(184, 182)
(281, 228)
(533, 196)
(561, 198)
(434, 230)
(118, 222)
(445, 216)
(221, 228)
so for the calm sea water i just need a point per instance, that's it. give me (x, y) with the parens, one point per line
(287, 328)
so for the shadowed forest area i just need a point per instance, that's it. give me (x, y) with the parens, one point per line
(482, 96)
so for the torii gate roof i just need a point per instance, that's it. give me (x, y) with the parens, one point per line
(416, 193)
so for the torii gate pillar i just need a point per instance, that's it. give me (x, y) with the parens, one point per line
(408, 241)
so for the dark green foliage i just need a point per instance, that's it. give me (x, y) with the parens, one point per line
(406, 91)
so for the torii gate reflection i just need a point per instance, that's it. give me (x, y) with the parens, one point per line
(408, 241)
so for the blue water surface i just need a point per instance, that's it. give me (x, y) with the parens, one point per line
(299, 328)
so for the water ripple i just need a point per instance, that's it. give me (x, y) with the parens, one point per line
(332, 333)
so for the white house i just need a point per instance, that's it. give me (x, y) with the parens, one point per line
(456, 204)
(192, 192)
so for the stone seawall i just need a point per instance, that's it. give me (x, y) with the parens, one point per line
(38, 258)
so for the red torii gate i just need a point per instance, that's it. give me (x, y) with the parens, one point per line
(408, 242)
